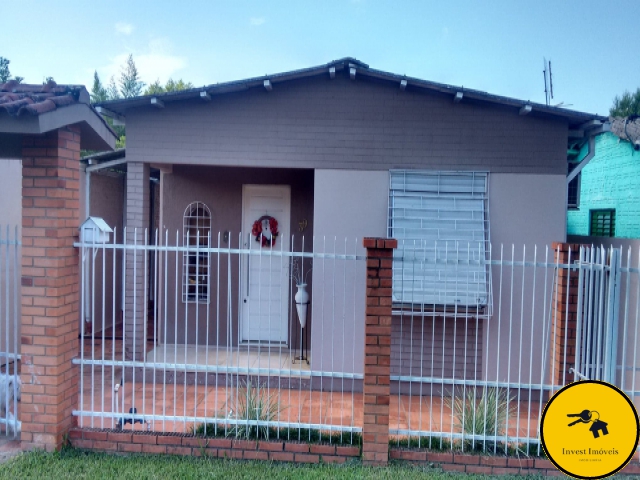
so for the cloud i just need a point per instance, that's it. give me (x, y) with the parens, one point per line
(124, 28)
(155, 62)
(445, 32)
(256, 21)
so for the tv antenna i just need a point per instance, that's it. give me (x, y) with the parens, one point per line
(548, 81)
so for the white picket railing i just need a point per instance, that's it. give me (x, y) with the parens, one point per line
(227, 356)
(474, 379)
(221, 358)
(10, 386)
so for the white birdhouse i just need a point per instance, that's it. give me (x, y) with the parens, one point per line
(95, 230)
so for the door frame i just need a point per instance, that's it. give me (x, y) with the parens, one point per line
(284, 236)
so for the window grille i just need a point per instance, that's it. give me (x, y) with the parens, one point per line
(196, 228)
(602, 223)
(573, 190)
(441, 223)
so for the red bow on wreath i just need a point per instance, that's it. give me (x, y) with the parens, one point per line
(257, 230)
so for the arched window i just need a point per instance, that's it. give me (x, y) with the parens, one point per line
(196, 232)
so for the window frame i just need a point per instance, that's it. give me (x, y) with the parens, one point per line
(578, 184)
(203, 270)
(612, 221)
(480, 270)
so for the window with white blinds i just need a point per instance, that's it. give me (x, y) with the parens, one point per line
(440, 222)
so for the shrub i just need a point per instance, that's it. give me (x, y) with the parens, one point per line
(484, 416)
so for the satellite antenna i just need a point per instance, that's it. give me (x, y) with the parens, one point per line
(548, 80)
(544, 74)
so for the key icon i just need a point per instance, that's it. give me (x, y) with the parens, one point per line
(584, 417)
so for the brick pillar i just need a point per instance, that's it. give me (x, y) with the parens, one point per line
(50, 286)
(564, 315)
(377, 351)
(135, 311)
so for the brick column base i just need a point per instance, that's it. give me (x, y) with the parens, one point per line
(50, 286)
(564, 314)
(377, 351)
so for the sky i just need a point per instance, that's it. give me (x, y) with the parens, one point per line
(495, 46)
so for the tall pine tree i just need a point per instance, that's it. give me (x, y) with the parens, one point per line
(130, 83)
(98, 92)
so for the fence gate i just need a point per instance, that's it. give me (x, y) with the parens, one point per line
(9, 330)
(598, 312)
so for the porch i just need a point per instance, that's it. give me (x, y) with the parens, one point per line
(185, 408)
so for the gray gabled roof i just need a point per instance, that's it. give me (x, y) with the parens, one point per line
(362, 70)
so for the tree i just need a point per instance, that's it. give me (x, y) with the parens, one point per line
(626, 105)
(130, 83)
(112, 90)
(5, 73)
(154, 88)
(98, 92)
(171, 86)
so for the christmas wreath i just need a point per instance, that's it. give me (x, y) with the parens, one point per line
(265, 229)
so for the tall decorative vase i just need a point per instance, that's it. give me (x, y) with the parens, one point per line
(302, 302)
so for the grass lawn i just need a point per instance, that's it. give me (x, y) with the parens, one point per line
(72, 463)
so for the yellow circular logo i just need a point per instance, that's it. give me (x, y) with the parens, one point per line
(589, 429)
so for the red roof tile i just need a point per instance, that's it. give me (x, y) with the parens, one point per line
(24, 99)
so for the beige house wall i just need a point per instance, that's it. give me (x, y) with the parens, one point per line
(348, 205)
(11, 216)
(525, 211)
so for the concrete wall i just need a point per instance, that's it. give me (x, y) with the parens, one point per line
(347, 205)
(221, 190)
(106, 201)
(610, 180)
(525, 211)
(11, 216)
(11, 193)
(345, 124)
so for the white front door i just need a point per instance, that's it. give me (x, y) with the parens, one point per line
(265, 278)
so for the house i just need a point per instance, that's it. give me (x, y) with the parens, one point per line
(340, 150)
(42, 129)
(25, 111)
(606, 201)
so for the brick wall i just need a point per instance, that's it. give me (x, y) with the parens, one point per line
(486, 464)
(50, 282)
(562, 348)
(189, 445)
(137, 220)
(377, 350)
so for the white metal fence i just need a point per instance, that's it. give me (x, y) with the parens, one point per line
(473, 379)
(10, 385)
(221, 356)
(221, 349)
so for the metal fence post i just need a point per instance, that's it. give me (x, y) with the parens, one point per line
(375, 431)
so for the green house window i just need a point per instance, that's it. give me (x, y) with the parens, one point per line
(603, 223)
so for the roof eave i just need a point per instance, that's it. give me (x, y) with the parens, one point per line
(95, 132)
(574, 118)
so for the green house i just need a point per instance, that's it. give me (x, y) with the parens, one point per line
(604, 199)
